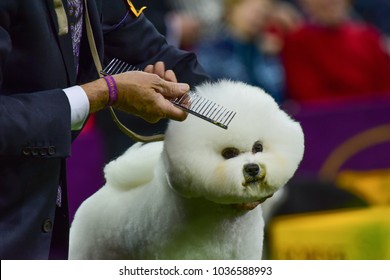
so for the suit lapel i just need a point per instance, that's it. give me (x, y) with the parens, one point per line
(59, 18)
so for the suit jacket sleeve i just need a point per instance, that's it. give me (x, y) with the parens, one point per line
(31, 124)
(136, 41)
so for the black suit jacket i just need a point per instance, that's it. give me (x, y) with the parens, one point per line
(35, 135)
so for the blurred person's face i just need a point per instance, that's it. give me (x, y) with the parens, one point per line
(326, 12)
(248, 17)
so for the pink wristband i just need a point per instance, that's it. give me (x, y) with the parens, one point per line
(112, 90)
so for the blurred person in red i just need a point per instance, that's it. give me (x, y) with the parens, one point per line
(331, 57)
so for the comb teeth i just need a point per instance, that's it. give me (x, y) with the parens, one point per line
(190, 102)
(116, 67)
(205, 109)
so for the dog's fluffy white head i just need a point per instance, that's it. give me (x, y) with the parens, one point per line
(248, 162)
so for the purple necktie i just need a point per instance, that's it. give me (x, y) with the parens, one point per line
(76, 26)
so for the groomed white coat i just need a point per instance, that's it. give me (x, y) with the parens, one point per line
(194, 196)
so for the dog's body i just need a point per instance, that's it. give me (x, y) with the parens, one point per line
(195, 195)
(153, 222)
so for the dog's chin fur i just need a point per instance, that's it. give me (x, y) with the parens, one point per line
(192, 150)
(182, 199)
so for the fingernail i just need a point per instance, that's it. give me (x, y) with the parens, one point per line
(184, 87)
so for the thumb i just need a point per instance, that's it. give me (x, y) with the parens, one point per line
(172, 89)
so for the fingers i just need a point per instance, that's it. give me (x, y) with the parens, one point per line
(149, 69)
(170, 76)
(146, 95)
(172, 90)
(159, 69)
(175, 113)
(167, 88)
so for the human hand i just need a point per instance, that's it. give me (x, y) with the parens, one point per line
(159, 69)
(147, 95)
(142, 94)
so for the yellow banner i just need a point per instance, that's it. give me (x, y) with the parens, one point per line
(362, 234)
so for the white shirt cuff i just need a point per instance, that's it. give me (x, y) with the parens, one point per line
(79, 106)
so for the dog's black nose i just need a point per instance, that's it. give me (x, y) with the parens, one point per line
(252, 169)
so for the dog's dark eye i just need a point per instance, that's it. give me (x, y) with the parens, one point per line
(230, 153)
(257, 147)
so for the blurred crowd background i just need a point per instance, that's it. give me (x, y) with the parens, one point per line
(327, 63)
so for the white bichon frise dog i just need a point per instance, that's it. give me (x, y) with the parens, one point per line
(194, 196)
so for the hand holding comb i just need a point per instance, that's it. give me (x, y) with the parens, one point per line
(190, 102)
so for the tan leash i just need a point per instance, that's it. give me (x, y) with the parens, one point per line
(98, 66)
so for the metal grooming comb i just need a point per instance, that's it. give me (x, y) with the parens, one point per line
(190, 102)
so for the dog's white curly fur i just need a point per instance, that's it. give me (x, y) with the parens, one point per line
(182, 199)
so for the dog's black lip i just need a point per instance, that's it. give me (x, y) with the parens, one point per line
(251, 180)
